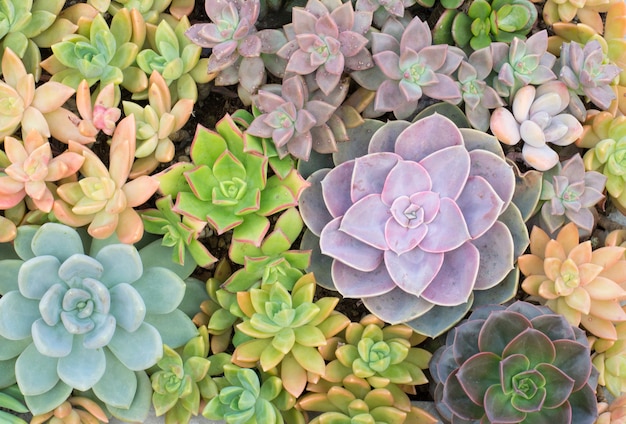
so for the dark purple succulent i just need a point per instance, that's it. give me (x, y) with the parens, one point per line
(521, 364)
(326, 38)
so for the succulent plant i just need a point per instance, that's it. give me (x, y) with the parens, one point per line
(402, 227)
(99, 53)
(152, 10)
(79, 310)
(612, 413)
(585, 72)
(381, 10)
(609, 359)
(31, 168)
(286, 327)
(568, 194)
(70, 413)
(495, 20)
(22, 103)
(582, 284)
(228, 187)
(182, 380)
(587, 11)
(516, 364)
(537, 119)
(12, 400)
(295, 123)
(244, 398)
(521, 63)
(326, 38)
(356, 401)
(175, 57)
(104, 198)
(608, 156)
(412, 67)
(478, 97)
(381, 354)
(155, 124)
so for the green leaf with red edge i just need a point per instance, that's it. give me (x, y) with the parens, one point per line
(499, 329)
(533, 344)
(498, 407)
(207, 146)
(478, 373)
(201, 181)
(228, 167)
(559, 385)
(511, 366)
(275, 198)
(231, 133)
(172, 181)
(252, 229)
(456, 399)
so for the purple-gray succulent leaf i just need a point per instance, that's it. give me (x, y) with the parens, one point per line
(320, 110)
(251, 73)
(478, 116)
(569, 77)
(250, 46)
(454, 57)
(432, 57)
(471, 98)
(224, 50)
(259, 128)
(343, 16)
(541, 158)
(382, 42)
(600, 96)
(389, 97)
(389, 63)
(482, 61)
(444, 89)
(416, 36)
(351, 43)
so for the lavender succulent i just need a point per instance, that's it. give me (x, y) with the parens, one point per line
(521, 364)
(383, 9)
(326, 38)
(568, 194)
(292, 121)
(585, 72)
(405, 230)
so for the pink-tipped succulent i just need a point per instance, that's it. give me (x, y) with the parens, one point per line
(325, 39)
(412, 68)
(406, 229)
(537, 119)
(32, 168)
(295, 124)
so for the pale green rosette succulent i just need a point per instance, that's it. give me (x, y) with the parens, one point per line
(87, 315)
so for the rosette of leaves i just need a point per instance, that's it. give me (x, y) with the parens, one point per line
(155, 124)
(228, 187)
(385, 219)
(585, 72)
(273, 261)
(538, 117)
(381, 354)
(356, 401)
(412, 67)
(175, 57)
(29, 169)
(245, 398)
(572, 279)
(612, 413)
(586, 12)
(182, 380)
(522, 62)
(478, 97)
(179, 232)
(75, 410)
(295, 123)
(72, 315)
(151, 10)
(568, 194)
(517, 364)
(608, 156)
(104, 198)
(23, 104)
(326, 38)
(21, 22)
(609, 359)
(286, 327)
(99, 53)
(497, 20)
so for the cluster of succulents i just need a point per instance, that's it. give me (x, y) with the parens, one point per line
(386, 186)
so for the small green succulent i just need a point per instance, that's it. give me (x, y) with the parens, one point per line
(181, 381)
(228, 187)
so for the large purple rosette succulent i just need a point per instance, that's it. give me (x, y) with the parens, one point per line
(414, 223)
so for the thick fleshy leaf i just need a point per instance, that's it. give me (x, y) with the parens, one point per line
(37, 275)
(175, 328)
(558, 385)
(396, 306)
(448, 180)
(127, 306)
(479, 373)
(448, 231)
(497, 242)
(17, 314)
(365, 221)
(358, 284)
(45, 241)
(369, 174)
(53, 341)
(160, 289)
(121, 263)
(35, 373)
(336, 189)
(571, 358)
(337, 244)
(499, 329)
(426, 136)
(118, 384)
(458, 401)
(123, 345)
(498, 407)
(83, 367)
(414, 270)
(45, 402)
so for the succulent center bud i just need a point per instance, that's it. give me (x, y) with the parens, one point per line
(11, 105)
(172, 382)
(414, 72)
(233, 189)
(89, 299)
(568, 279)
(529, 385)
(36, 169)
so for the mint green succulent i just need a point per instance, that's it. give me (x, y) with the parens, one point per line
(88, 315)
(175, 57)
(228, 187)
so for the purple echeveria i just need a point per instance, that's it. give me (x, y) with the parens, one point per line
(413, 67)
(294, 123)
(325, 38)
(569, 193)
(521, 364)
(414, 223)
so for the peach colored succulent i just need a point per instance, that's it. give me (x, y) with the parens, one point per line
(609, 359)
(32, 167)
(613, 413)
(103, 198)
(583, 285)
(8, 230)
(587, 11)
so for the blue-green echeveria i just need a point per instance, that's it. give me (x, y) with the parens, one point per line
(87, 315)
(521, 364)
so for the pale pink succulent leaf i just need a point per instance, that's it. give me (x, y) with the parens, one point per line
(444, 89)
(349, 281)
(300, 63)
(64, 165)
(303, 20)
(410, 91)
(388, 96)
(426, 136)
(250, 47)
(414, 270)
(351, 43)
(397, 307)
(14, 150)
(334, 65)
(540, 158)
(447, 231)
(406, 178)
(369, 174)
(402, 239)
(51, 96)
(326, 80)
(348, 250)
(371, 209)
(416, 36)
(300, 145)
(139, 190)
(504, 126)
(336, 189)
(321, 111)
(485, 164)
(497, 241)
(454, 284)
(34, 120)
(389, 63)
(448, 169)
(480, 205)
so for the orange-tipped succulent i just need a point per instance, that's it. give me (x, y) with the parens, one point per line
(584, 285)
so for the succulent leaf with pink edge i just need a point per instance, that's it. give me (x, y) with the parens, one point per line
(32, 168)
(407, 232)
(537, 118)
(326, 38)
